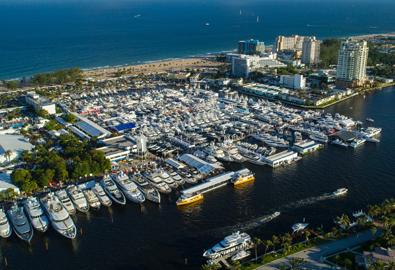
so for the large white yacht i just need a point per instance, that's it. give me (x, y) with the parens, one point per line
(59, 216)
(299, 226)
(36, 214)
(128, 188)
(218, 153)
(92, 199)
(112, 190)
(157, 181)
(356, 142)
(65, 200)
(20, 223)
(149, 191)
(5, 227)
(235, 241)
(78, 198)
(175, 176)
(233, 153)
(340, 191)
(101, 195)
(167, 179)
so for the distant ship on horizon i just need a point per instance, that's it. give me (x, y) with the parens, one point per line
(137, 16)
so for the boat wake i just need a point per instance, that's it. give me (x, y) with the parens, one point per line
(259, 221)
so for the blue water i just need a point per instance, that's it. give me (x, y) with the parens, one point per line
(40, 36)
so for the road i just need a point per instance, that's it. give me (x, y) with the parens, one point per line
(314, 256)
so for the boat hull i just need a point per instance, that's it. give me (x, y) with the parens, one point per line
(244, 180)
(180, 203)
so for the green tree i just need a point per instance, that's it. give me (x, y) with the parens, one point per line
(256, 242)
(266, 244)
(235, 264)
(26, 156)
(8, 155)
(43, 177)
(373, 230)
(347, 263)
(69, 117)
(275, 241)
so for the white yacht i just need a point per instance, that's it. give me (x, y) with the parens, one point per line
(36, 214)
(5, 227)
(275, 214)
(175, 176)
(149, 191)
(59, 216)
(128, 188)
(65, 200)
(112, 190)
(78, 198)
(356, 142)
(157, 182)
(319, 137)
(339, 143)
(299, 226)
(92, 199)
(101, 195)
(340, 191)
(235, 241)
(233, 153)
(167, 179)
(188, 177)
(241, 255)
(20, 223)
(217, 152)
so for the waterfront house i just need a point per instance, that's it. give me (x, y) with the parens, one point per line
(379, 254)
(306, 146)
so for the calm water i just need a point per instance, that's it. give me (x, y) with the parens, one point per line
(43, 35)
(162, 237)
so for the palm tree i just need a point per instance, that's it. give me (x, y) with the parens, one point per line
(337, 257)
(386, 207)
(371, 211)
(206, 266)
(391, 265)
(373, 230)
(275, 241)
(267, 244)
(347, 262)
(385, 221)
(306, 234)
(256, 242)
(391, 222)
(286, 242)
(8, 154)
(235, 264)
(215, 266)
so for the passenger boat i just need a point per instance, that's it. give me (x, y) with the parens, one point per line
(275, 214)
(112, 190)
(59, 216)
(129, 188)
(92, 199)
(299, 226)
(187, 199)
(241, 255)
(149, 191)
(21, 225)
(65, 200)
(101, 195)
(340, 191)
(78, 198)
(234, 242)
(5, 227)
(36, 214)
(242, 177)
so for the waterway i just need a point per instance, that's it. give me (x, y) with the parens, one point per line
(163, 236)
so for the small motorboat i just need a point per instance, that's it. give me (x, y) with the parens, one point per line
(241, 255)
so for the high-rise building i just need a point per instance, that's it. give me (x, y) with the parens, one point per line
(251, 47)
(293, 42)
(351, 63)
(241, 66)
(310, 50)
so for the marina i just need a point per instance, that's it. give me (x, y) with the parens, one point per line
(192, 172)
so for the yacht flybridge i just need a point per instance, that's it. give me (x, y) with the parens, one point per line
(35, 214)
(59, 216)
(129, 188)
(21, 225)
(149, 191)
(5, 227)
(112, 190)
(235, 242)
(78, 198)
(65, 200)
(92, 199)
(101, 195)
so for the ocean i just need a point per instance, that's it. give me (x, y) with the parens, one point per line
(42, 35)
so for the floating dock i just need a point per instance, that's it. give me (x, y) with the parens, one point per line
(212, 183)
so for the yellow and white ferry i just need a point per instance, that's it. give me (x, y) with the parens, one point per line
(242, 177)
(188, 198)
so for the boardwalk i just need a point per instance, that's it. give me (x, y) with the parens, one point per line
(315, 256)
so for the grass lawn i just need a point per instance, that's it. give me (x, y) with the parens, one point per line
(346, 255)
(269, 257)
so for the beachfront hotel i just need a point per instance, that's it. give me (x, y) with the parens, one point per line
(351, 63)
(251, 47)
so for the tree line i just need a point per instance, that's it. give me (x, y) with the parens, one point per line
(57, 76)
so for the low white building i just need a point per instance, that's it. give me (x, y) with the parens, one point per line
(294, 82)
(244, 64)
(16, 144)
(306, 146)
(282, 158)
(39, 102)
(6, 182)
